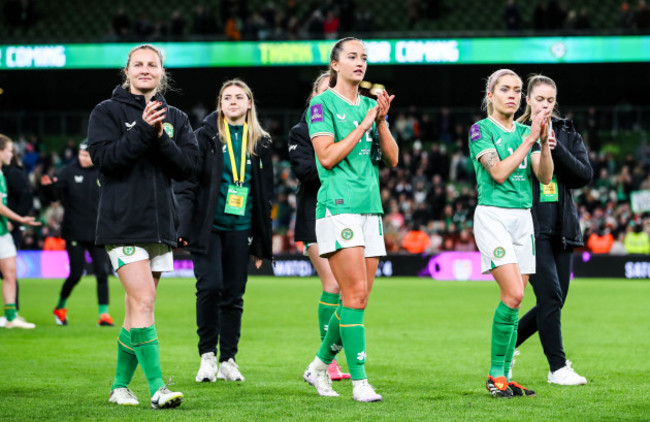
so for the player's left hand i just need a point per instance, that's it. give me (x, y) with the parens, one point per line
(383, 101)
(30, 221)
(258, 262)
(552, 140)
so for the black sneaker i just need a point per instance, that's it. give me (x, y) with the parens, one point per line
(498, 387)
(519, 390)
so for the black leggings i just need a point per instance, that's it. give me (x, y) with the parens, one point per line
(76, 253)
(551, 285)
(221, 277)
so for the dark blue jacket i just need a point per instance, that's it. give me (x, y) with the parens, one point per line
(136, 168)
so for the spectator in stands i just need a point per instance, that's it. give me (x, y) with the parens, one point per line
(122, 24)
(637, 240)
(540, 16)
(512, 16)
(600, 241)
(331, 25)
(177, 25)
(642, 16)
(416, 240)
(465, 241)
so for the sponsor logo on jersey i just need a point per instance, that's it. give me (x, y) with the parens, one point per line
(498, 142)
(341, 117)
(499, 252)
(129, 126)
(347, 234)
(316, 113)
(169, 128)
(475, 132)
(79, 179)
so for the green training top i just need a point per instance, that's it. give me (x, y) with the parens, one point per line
(231, 222)
(487, 135)
(352, 186)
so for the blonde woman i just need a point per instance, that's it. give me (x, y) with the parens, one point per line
(139, 143)
(225, 213)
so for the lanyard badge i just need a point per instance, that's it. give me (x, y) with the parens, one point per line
(237, 193)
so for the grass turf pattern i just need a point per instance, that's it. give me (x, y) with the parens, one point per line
(428, 355)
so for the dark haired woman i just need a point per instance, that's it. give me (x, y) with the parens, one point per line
(350, 135)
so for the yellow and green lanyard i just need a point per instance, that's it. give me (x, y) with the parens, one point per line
(237, 192)
(549, 193)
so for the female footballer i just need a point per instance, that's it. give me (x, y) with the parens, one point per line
(140, 144)
(557, 230)
(225, 213)
(303, 164)
(504, 152)
(350, 135)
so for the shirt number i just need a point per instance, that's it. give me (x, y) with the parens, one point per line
(368, 137)
(524, 164)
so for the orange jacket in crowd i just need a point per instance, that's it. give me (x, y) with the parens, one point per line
(416, 241)
(600, 244)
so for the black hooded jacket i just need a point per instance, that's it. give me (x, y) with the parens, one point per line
(573, 171)
(303, 164)
(136, 168)
(77, 189)
(198, 195)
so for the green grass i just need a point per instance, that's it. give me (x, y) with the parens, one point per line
(428, 355)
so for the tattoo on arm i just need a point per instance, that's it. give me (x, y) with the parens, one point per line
(489, 160)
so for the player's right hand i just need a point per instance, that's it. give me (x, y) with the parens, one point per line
(371, 116)
(45, 180)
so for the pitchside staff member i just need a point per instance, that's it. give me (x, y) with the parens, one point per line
(77, 188)
(225, 214)
(139, 143)
(303, 164)
(557, 230)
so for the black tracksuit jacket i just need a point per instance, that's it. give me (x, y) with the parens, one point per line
(78, 190)
(573, 171)
(136, 168)
(199, 194)
(303, 164)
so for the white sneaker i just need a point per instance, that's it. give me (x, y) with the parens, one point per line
(566, 376)
(123, 397)
(317, 376)
(19, 322)
(3, 321)
(208, 370)
(165, 399)
(362, 391)
(229, 371)
(512, 364)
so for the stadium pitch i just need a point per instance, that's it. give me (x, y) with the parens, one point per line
(428, 355)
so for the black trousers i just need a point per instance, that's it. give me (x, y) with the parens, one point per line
(551, 286)
(221, 277)
(17, 235)
(76, 254)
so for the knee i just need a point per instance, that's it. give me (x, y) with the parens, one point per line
(143, 303)
(513, 299)
(356, 297)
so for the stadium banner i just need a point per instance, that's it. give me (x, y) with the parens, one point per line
(316, 53)
(453, 266)
(640, 201)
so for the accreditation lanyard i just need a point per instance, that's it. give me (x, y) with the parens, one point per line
(237, 193)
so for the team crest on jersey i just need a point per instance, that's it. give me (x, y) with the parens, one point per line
(128, 250)
(475, 132)
(316, 113)
(499, 252)
(169, 128)
(347, 234)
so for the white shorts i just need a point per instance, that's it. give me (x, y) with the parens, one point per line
(505, 236)
(335, 232)
(7, 246)
(160, 255)
(305, 249)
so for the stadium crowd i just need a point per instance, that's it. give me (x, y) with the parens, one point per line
(428, 200)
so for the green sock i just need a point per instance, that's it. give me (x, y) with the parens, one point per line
(127, 362)
(10, 311)
(503, 324)
(145, 346)
(331, 344)
(353, 334)
(103, 309)
(62, 302)
(326, 307)
(511, 348)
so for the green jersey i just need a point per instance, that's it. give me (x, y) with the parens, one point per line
(352, 186)
(3, 192)
(489, 136)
